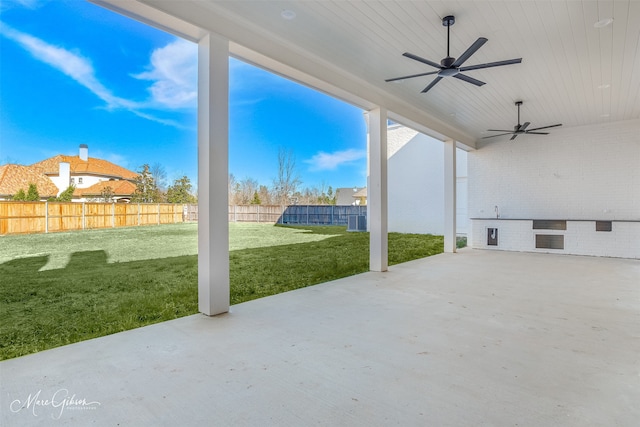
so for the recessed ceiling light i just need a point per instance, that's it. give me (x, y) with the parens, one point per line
(603, 23)
(604, 115)
(288, 14)
(607, 86)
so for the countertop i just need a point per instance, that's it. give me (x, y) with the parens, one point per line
(555, 219)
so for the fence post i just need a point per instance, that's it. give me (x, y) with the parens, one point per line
(113, 215)
(307, 214)
(235, 213)
(158, 213)
(332, 214)
(83, 216)
(258, 212)
(46, 217)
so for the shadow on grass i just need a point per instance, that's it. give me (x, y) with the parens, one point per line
(87, 259)
(22, 266)
(90, 298)
(333, 230)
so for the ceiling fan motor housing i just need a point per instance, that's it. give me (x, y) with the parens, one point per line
(447, 62)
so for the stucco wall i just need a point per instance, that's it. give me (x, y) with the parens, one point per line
(416, 183)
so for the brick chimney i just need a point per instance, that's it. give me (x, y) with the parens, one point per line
(84, 152)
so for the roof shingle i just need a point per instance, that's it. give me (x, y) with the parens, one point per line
(16, 177)
(92, 166)
(118, 188)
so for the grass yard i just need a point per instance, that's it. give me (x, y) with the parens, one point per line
(60, 288)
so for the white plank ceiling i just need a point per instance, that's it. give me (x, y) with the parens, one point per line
(572, 72)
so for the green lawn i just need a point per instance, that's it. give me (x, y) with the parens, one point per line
(61, 288)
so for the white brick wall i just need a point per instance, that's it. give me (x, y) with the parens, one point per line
(580, 238)
(589, 172)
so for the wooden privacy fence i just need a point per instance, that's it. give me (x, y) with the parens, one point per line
(295, 214)
(255, 213)
(46, 217)
(321, 214)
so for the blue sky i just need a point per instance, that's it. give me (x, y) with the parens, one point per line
(74, 73)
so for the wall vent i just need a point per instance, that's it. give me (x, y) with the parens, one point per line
(546, 224)
(603, 225)
(549, 241)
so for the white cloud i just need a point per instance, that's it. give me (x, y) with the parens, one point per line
(73, 65)
(173, 71)
(167, 122)
(331, 161)
(28, 4)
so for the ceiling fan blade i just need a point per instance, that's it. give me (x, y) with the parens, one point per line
(499, 130)
(470, 51)
(411, 76)
(524, 126)
(513, 137)
(491, 64)
(420, 59)
(493, 136)
(536, 133)
(433, 83)
(469, 79)
(546, 127)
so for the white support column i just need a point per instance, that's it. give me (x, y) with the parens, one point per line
(377, 191)
(213, 158)
(449, 196)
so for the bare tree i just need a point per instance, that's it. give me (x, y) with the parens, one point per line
(232, 189)
(265, 195)
(287, 181)
(159, 174)
(248, 188)
(106, 195)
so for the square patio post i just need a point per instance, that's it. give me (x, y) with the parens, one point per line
(449, 196)
(377, 191)
(213, 158)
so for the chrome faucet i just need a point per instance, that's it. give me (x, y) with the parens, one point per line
(497, 212)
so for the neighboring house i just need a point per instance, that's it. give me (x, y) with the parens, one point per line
(90, 176)
(415, 177)
(16, 177)
(351, 196)
(360, 197)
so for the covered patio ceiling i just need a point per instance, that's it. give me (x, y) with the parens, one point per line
(574, 70)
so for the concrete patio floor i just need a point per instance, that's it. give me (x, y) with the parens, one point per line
(468, 339)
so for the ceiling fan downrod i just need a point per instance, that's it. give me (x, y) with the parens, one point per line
(448, 21)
